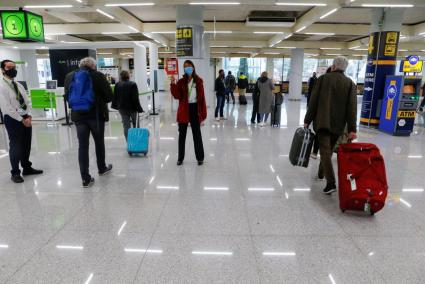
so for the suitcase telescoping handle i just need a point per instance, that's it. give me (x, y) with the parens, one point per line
(139, 116)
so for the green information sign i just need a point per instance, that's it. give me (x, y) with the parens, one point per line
(41, 99)
(22, 26)
(13, 24)
(35, 27)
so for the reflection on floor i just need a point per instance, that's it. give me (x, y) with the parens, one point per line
(245, 216)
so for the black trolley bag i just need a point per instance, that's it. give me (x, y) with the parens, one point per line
(301, 147)
(277, 109)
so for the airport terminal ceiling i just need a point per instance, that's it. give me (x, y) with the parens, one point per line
(270, 29)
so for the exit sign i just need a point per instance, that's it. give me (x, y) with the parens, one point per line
(22, 26)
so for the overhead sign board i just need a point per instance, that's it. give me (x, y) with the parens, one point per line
(22, 26)
(412, 64)
(184, 41)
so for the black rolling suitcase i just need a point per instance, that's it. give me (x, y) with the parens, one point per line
(242, 100)
(301, 147)
(277, 108)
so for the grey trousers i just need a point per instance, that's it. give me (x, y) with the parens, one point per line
(128, 118)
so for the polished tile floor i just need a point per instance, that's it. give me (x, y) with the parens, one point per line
(245, 216)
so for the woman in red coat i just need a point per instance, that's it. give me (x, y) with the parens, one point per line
(189, 90)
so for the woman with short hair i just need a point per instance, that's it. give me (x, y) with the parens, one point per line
(126, 101)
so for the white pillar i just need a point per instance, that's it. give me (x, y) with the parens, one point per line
(30, 71)
(153, 62)
(140, 66)
(296, 74)
(140, 73)
(269, 67)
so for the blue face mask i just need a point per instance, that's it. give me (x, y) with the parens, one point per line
(188, 70)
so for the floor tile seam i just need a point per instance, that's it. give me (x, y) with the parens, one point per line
(151, 237)
(46, 243)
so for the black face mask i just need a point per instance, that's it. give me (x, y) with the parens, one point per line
(11, 73)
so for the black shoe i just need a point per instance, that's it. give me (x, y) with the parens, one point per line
(330, 188)
(88, 183)
(179, 163)
(320, 176)
(31, 171)
(252, 121)
(200, 163)
(17, 179)
(107, 170)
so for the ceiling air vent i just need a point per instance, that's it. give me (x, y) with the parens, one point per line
(271, 19)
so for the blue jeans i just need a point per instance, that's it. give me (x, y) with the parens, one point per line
(220, 105)
(264, 116)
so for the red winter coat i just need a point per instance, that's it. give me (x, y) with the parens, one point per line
(180, 91)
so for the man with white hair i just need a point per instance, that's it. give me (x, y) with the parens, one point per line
(88, 92)
(333, 105)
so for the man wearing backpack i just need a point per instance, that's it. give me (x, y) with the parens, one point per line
(88, 92)
(230, 83)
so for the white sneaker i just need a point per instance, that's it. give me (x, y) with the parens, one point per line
(313, 156)
(262, 124)
(217, 119)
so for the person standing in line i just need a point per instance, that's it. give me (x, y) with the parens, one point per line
(311, 82)
(230, 84)
(126, 101)
(242, 84)
(333, 106)
(266, 100)
(220, 92)
(189, 90)
(256, 101)
(88, 92)
(18, 122)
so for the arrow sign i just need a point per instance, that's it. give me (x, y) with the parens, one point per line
(368, 89)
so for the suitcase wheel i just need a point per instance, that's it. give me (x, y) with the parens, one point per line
(343, 210)
(372, 213)
(145, 154)
(129, 153)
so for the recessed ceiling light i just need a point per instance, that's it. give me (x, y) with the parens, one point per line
(403, 50)
(104, 13)
(286, 47)
(388, 5)
(300, 4)
(328, 13)
(104, 53)
(115, 33)
(278, 33)
(128, 4)
(219, 46)
(47, 6)
(288, 36)
(214, 3)
(333, 54)
(251, 46)
(330, 48)
(321, 34)
(134, 29)
(271, 53)
(354, 47)
(301, 29)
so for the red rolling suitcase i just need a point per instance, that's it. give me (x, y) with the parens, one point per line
(361, 177)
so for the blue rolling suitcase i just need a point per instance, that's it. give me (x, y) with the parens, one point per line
(138, 140)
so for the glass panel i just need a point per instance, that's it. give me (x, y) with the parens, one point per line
(277, 70)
